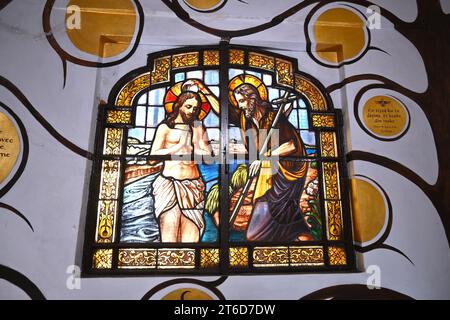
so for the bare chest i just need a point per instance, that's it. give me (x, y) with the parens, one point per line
(177, 134)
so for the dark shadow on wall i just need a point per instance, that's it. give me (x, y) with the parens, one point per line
(4, 3)
(22, 282)
(355, 292)
(96, 102)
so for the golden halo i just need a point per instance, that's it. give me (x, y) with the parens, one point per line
(246, 79)
(173, 94)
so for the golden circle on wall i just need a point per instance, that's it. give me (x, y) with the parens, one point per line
(369, 210)
(205, 5)
(187, 294)
(385, 117)
(9, 146)
(340, 35)
(104, 28)
(187, 289)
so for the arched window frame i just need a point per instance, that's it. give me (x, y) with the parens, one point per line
(105, 255)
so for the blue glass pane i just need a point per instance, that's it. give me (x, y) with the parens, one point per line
(256, 74)
(293, 118)
(194, 75)
(150, 133)
(308, 137)
(214, 140)
(143, 99)
(234, 72)
(211, 232)
(140, 116)
(211, 77)
(136, 135)
(215, 90)
(156, 97)
(303, 119)
(237, 236)
(139, 224)
(155, 116)
(267, 79)
(311, 152)
(301, 104)
(234, 134)
(211, 120)
(210, 174)
(179, 77)
(273, 94)
(213, 135)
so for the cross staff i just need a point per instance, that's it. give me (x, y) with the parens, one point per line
(283, 101)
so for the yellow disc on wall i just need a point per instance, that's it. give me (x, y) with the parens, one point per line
(9, 146)
(368, 210)
(187, 294)
(203, 5)
(385, 116)
(339, 27)
(99, 23)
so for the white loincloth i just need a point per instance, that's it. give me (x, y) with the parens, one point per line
(189, 195)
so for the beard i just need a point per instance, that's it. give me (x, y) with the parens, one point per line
(250, 110)
(188, 118)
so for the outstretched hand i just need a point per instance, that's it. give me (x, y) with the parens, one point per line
(194, 85)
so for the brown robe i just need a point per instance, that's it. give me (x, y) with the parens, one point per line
(276, 214)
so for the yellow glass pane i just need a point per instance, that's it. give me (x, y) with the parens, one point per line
(109, 181)
(337, 256)
(137, 258)
(113, 141)
(103, 259)
(285, 76)
(107, 210)
(334, 217)
(161, 70)
(131, 89)
(306, 256)
(209, 258)
(331, 180)
(236, 56)
(328, 145)
(271, 256)
(261, 61)
(176, 258)
(311, 92)
(211, 58)
(323, 121)
(118, 117)
(239, 257)
(185, 60)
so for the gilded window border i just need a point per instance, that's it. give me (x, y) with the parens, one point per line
(285, 74)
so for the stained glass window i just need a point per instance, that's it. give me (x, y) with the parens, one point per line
(218, 160)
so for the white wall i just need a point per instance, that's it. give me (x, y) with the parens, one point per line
(51, 192)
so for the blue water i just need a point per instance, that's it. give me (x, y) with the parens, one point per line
(210, 175)
(211, 232)
(237, 236)
(311, 151)
(139, 224)
(138, 218)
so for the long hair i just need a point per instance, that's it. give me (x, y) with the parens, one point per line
(170, 120)
(250, 93)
